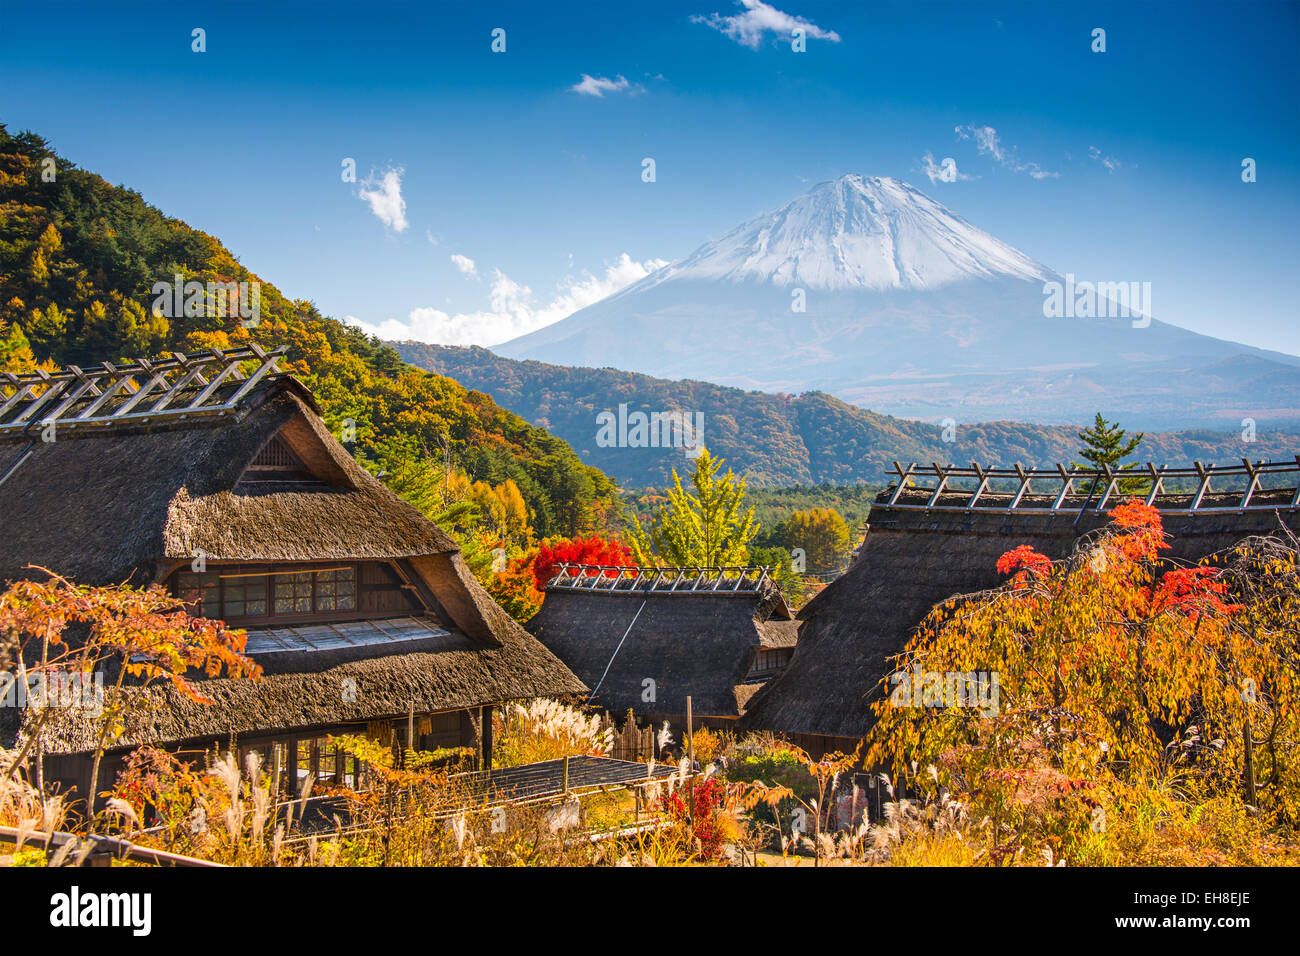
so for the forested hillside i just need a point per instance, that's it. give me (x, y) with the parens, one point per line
(777, 440)
(78, 260)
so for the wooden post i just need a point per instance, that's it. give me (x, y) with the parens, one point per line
(485, 715)
(275, 770)
(410, 726)
(690, 761)
(564, 785)
(690, 734)
(1248, 770)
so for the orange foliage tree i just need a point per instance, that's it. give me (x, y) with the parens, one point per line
(1110, 665)
(54, 628)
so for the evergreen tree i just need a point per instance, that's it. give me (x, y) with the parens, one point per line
(781, 569)
(704, 529)
(1106, 444)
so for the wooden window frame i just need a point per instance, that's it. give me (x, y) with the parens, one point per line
(269, 573)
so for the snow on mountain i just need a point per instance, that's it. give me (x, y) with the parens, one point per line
(863, 232)
(907, 309)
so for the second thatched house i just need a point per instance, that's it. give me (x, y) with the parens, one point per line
(926, 544)
(215, 477)
(645, 639)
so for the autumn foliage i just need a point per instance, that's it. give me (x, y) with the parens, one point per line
(608, 552)
(1119, 670)
(135, 637)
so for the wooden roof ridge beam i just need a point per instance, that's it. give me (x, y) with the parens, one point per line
(1067, 480)
(1024, 486)
(1112, 479)
(1250, 485)
(193, 372)
(177, 360)
(1157, 481)
(157, 376)
(941, 472)
(984, 483)
(52, 392)
(209, 371)
(269, 364)
(121, 380)
(1204, 474)
(903, 478)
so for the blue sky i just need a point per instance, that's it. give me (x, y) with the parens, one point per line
(502, 161)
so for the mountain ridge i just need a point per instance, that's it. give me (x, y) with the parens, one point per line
(781, 439)
(77, 265)
(869, 290)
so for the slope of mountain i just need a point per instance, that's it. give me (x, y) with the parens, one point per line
(778, 439)
(867, 289)
(79, 257)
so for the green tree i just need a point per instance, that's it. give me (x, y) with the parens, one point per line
(823, 535)
(1105, 444)
(704, 529)
(780, 567)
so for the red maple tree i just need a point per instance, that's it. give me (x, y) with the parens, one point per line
(608, 552)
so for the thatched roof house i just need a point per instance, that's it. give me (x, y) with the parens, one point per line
(924, 545)
(646, 638)
(224, 485)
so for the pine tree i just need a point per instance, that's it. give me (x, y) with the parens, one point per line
(705, 529)
(1106, 444)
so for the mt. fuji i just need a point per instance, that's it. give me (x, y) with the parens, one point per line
(868, 289)
(856, 233)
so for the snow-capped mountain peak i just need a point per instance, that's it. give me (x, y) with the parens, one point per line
(910, 310)
(855, 232)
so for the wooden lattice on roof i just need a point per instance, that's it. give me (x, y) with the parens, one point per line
(1258, 485)
(183, 386)
(596, 577)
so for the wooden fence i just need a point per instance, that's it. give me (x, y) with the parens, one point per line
(630, 741)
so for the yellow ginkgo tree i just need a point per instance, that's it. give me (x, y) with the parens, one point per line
(705, 529)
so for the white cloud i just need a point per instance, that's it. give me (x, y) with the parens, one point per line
(937, 173)
(386, 201)
(512, 311)
(465, 264)
(600, 85)
(759, 18)
(1109, 162)
(989, 143)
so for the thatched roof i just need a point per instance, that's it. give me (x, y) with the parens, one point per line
(697, 644)
(118, 503)
(134, 500)
(912, 560)
(435, 675)
(777, 633)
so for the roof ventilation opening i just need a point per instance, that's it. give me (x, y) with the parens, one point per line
(276, 464)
